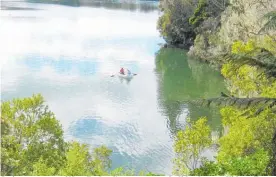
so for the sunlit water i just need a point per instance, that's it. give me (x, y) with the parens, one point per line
(68, 54)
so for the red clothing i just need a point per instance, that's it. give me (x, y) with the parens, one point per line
(122, 71)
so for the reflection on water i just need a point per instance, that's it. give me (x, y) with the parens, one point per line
(143, 6)
(86, 126)
(181, 79)
(69, 58)
(127, 142)
(129, 5)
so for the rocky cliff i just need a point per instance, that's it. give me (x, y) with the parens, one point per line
(242, 20)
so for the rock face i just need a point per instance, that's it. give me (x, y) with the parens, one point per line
(240, 21)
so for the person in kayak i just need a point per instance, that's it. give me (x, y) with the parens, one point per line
(122, 71)
(128, 72)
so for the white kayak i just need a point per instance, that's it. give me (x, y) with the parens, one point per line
(125, 76)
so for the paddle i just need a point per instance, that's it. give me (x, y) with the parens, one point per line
(134, 74)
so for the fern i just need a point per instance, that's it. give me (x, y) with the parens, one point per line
(260, 104)
(271, 22)
(264, 60)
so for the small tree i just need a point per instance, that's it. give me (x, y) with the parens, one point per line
(189, 145)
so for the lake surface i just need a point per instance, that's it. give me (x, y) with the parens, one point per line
(67, 52)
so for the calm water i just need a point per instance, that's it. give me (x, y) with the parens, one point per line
(67, 53)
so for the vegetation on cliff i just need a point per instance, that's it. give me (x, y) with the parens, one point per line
(240, 37)
(182, 20)
(210, 28)
(245, 25)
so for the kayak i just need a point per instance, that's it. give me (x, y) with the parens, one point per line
(125, 76)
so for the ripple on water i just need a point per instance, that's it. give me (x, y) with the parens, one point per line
(127, 140)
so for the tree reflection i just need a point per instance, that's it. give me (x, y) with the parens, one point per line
(181, 79)
(143, 6)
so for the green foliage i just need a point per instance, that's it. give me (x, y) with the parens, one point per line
(153, 174)
(199, 13)
(82, 163)
(174, 23)
(101, 160)
(33, 133)
(252, 46)
(122, 172)
(242, 78)
(244, 150)
(181, 19)
(256, 132)
(248, 80)
(239, 47)
(249, 71)
(250, 165)
(163, 25)
(127, 172)
(41, 169)
(209, 168)
(246, 147)
(189, 145)
(258, 53)
(79, 161)
(268, 43)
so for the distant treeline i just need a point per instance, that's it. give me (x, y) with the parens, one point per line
(144, 6)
